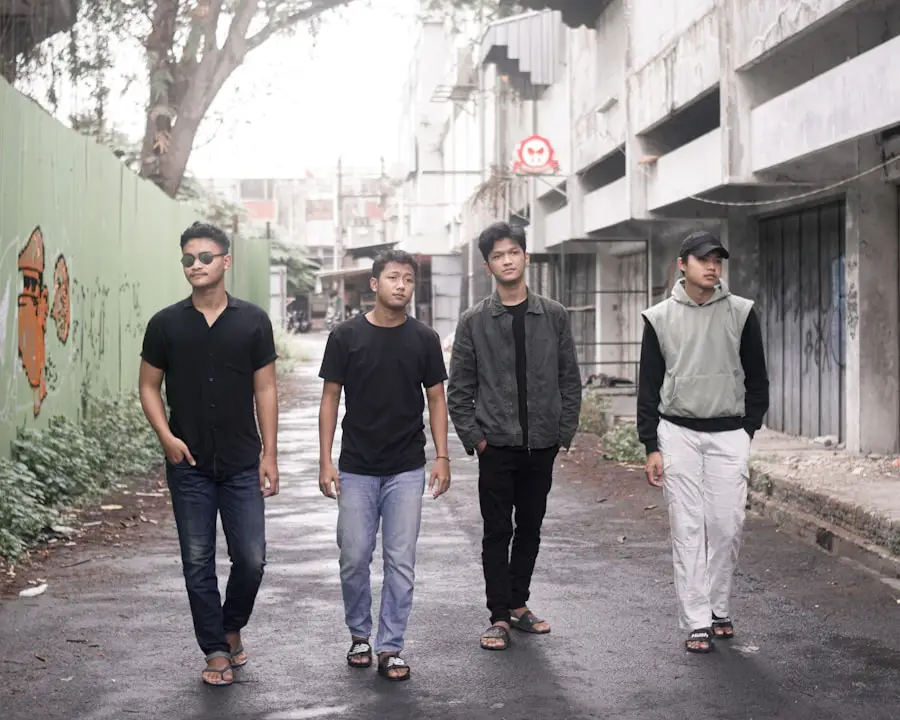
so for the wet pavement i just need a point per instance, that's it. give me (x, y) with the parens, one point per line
(817, 639)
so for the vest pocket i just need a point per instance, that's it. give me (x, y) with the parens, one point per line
(703, 396)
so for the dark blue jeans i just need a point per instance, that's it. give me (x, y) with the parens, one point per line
(197, 498)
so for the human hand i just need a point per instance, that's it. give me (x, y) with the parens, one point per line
(177, 451)
(269, 481)
(328, 477)
(655, 469)
(440, 477)
(481, 447)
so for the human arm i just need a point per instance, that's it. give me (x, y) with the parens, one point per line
(650, 379)
(150, 378)
(435, 375)
(265, 392)
(756, 377)
(462, 387)
(333, 372)
(569, 384)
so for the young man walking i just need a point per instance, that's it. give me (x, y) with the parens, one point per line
(703, 392)
(514, 398)
(217, 356)
(381, 360)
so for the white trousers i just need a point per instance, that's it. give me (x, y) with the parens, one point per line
(705, 484)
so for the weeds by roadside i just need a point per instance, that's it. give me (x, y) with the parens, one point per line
(68, 463)
(291, 351)
(619, 442)
(622, 445)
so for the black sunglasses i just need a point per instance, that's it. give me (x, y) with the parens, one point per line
(206, 257)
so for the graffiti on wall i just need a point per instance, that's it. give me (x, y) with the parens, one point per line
(35, 306)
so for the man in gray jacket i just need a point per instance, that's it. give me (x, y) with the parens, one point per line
(703, 392)
(514, 397)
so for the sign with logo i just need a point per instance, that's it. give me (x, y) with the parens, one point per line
(535, 155)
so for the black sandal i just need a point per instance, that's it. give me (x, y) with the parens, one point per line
(393, 662)
(725, 625)
(222, 682)
(703, 635)
(358, 650)
(497, 632)
(526, 622)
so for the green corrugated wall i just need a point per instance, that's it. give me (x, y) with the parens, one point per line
(115, 235)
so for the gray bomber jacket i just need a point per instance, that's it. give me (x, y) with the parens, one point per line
(482, 394)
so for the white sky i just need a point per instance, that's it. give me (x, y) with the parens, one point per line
(297, 103)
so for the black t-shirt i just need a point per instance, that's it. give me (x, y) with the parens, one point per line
(383, 371)
(518, 315)
(209, 379)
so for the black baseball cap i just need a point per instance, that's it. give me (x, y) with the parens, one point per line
(700, 244)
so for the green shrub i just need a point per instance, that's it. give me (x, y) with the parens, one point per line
(291, 351)
(23, 512)
(67, 463)
(622, 445)
(594, 408)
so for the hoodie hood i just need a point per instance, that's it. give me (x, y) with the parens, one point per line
(679, 294)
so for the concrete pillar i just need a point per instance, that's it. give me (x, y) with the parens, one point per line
(736, 92)
(872, 385)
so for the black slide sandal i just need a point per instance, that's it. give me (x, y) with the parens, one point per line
(724, 624)
(358, 650)
(703, 635)
(393, 662)
(495, 632)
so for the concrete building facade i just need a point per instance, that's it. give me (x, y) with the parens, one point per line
(772, 122)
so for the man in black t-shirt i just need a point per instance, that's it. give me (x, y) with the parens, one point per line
(381, 360)
(217, 356)
(514, 397)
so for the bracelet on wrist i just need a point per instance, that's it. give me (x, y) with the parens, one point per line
(442, 457)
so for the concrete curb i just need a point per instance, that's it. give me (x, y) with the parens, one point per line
(836, 526)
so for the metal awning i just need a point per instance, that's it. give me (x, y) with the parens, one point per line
(528, 44)
(575, 13)
(343, 273)
(369, 251)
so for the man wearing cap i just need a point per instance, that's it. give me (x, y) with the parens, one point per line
(703, 392)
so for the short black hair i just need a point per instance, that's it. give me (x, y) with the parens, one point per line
(498, 231)
(205, 231)
(401, 257)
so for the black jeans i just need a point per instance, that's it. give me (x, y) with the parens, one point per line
(197, 499)
(512, 480)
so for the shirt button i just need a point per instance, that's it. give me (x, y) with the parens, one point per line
(210, 379)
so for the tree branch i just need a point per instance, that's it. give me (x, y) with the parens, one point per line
(276, 24)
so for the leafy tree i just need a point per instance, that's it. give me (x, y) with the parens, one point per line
(301, 268)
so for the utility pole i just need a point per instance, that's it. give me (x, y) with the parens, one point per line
(339, 235)
(339, 219)
(384, 203)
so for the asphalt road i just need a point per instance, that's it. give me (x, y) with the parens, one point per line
(817, 639)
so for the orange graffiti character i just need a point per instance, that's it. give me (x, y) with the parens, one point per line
(34, 307)
(62, 307)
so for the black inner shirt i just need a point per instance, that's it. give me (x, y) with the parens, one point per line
(383, 371)
(209, 379)
(518, 313)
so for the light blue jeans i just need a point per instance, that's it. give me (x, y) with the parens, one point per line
(396, 501)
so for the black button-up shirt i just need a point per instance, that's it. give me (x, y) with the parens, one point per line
(209, 379)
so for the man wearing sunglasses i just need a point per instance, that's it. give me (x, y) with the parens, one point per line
(217, 356)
